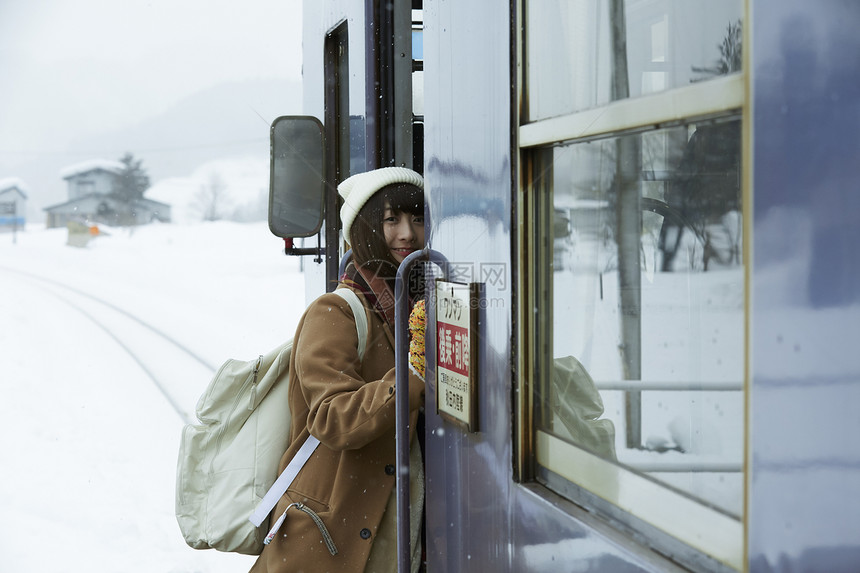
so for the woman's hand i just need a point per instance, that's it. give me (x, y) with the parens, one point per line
(417, 325)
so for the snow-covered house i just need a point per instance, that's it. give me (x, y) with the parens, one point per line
(97, 176)
(13, 204)
(90, 187)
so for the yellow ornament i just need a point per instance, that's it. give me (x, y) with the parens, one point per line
(417, 326)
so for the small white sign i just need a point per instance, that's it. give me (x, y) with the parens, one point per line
(456, 323)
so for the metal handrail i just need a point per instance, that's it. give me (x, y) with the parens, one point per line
(344, 261)
(401, 391)
(671, 385)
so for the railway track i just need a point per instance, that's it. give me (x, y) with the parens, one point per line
(175, 370)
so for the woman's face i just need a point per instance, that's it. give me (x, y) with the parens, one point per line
(404, 232)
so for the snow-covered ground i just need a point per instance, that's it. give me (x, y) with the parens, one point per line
(89, 443)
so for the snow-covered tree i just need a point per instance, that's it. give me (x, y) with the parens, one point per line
(132, 181)
(731, 54)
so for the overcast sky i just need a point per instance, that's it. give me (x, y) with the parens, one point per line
(71, 68)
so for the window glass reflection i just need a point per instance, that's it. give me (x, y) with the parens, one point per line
(647, 305)
(575, 62)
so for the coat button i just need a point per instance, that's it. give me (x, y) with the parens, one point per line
(389, 470)
(365, 533)
(390, 390)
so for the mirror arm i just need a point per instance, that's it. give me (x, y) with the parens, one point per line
(290, 250)
(304, 251)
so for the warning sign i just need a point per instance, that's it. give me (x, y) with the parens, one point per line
(456, 344)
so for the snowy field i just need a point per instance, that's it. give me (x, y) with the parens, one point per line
(89, 441)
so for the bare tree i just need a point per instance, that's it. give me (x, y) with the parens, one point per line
(212, 200)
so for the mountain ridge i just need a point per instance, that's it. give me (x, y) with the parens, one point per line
(225, 121)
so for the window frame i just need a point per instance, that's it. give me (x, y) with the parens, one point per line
(708, 537)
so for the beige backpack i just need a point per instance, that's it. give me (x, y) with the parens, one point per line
(229, 461)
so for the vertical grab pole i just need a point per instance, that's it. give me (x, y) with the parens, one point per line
(401, 396)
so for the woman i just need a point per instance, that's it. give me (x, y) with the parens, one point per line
(347, 403)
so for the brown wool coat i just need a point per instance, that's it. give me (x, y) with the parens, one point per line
(349, 406)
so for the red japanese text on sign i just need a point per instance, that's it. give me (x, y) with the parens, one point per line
(453, 344)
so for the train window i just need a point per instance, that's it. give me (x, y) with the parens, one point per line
(418, 63)
(573, 54)
(338, 120)
(634, 265)
(647, 314)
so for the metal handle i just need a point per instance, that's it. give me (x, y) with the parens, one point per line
(401, 385)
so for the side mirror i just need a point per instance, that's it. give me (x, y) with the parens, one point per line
(296, 179)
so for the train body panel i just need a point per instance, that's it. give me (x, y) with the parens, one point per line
(467, 169)
(805, 466)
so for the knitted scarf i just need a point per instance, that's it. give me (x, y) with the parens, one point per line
(374, 288)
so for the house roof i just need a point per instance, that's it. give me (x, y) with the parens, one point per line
(15, 183)
(144, 201)
(91, 165)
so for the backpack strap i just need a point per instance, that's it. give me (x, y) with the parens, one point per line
(360, 318)
(281, 484)
(303, 455)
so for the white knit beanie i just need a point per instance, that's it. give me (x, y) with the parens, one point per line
(356, 190)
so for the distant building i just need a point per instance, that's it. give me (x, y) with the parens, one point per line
(90, 187)
(13, 204)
